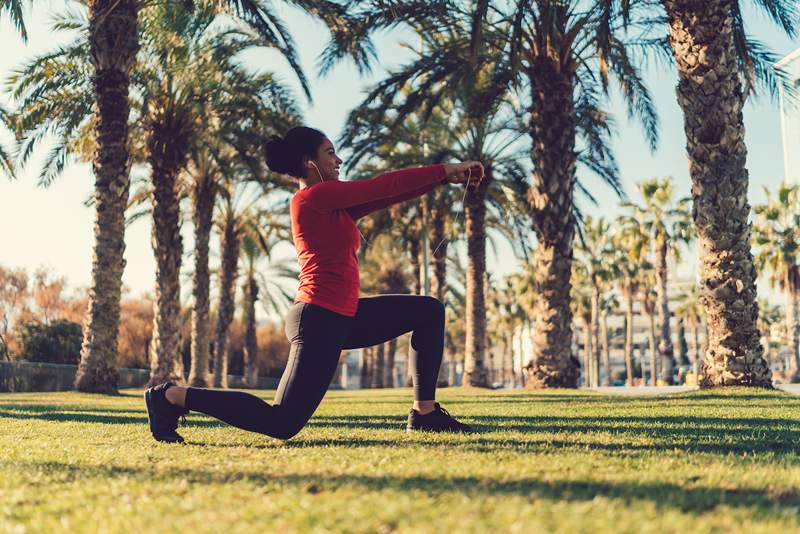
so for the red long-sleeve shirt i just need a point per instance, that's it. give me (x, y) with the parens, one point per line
(327, 240)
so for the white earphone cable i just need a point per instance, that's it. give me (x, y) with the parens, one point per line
(463, 203)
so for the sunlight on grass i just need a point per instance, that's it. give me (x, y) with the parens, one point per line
(551, 461)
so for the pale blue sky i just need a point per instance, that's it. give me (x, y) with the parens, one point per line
(51, 227)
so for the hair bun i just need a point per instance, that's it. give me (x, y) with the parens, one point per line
(275, 152)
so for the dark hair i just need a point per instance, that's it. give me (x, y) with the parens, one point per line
(285, 155)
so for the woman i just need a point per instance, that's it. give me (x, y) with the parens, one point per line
(328, 315)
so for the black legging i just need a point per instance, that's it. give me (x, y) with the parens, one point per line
(317, 336)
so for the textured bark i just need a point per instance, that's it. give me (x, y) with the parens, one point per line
(628, 337)
(791, 323)
(606, 348)
(379, 361)
(166, 155)
(250, 341)
(651, 339)
(203, 198)
(113, 41)
(710, 95)
(366, 359)
(388, 370)
(588, 350)
(553, 155)
(666, 351)
(414, 252)
(475, 372)
(229, 272)
(595, 329)
(698, 350)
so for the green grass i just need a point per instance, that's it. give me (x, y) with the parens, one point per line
(560, 461)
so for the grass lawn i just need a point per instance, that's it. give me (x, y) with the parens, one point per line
(555, 461)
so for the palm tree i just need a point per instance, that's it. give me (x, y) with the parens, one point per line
(263, 233)
(6, 164)
(691, 310)
(109, 50)
(581, 305)
(647, 300)
(769, 317)
(564, 53)
(608, 304)
(595, 253)
(252, 108)
(93, 73)
(714, 57)
(667, 225)
(629, 260)
(777, 241)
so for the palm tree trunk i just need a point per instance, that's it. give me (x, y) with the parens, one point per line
(204, 197)
(651, 338)
(665, 348)
(553, 156)
(414, 252)
(377, 369)
(595, 336)
(629, 338)
(113, 40)
(250, 341)
(388, 374)
(643, 363)
(587, 351)
(475, 373)
(606, 348)
(710, 95)
(366, 361)
(166, 156)
(698, 351)
(791, 326)
(508, 351)
(231, 241)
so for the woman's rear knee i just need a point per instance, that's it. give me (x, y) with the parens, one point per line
(435, 306)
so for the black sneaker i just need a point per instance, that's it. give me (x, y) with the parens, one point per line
(163, 415)
(439, 420)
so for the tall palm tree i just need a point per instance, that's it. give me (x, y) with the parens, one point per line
(96, 69)
(241, 117)
(581, 308)
(608, 304)
(691, 310)
(777, 240)
(263, 234)
(667, 225)
(630, 262)
(769, 316)
(454, 134)
(715, 57)
(562, 52)
(595, 253)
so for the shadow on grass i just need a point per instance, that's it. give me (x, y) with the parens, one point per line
(689, 497)
(63, 413)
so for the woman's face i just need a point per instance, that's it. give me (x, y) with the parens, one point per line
(327, 162)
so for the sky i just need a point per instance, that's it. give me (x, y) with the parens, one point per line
(51, 227)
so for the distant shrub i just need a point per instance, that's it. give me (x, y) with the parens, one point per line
(57, 342)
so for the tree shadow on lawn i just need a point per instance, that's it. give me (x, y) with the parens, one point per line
(688, 497)
(64, 413)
